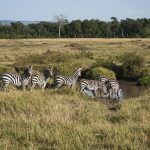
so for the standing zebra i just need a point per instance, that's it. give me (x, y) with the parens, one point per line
(92, 85)
(41, 79)
(17, 80)
(113, 89)
(59, 80)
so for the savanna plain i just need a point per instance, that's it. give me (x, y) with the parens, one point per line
(65, 119)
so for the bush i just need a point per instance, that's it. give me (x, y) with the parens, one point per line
(96, 72)
(144, 81)
(146, 72)
(106, 63)
(132, 65)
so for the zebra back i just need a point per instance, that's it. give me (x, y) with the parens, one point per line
(92, 85)
(67, 80)
(17, 80)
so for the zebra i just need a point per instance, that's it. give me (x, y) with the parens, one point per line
(92, 85)
(114, 89)
(16, 79)
(103, 79)
(41, 79)
(60, 80)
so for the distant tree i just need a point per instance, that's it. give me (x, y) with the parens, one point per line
(126, 28)
(114, 26)
(75, 28)
(61, 20)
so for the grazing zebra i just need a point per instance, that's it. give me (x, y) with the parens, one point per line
(41, 79)
(92, 85)
(17, 80)
(113, 89)
(60, 80)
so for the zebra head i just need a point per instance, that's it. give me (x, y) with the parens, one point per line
(28, 71)
(102, 87)
(78, 72)
(48, 72)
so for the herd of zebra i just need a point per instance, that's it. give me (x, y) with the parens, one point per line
(108, 87)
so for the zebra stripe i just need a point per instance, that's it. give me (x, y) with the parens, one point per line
(114, 89)
(92, 85)
(41, 79)
(17, 80)
(104, 79)
(70, 81)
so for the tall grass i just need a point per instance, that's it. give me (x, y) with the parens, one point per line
(66, 119)
(69, 120)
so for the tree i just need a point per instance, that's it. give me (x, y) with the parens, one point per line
(61, 20)
(114, 26)
(75, 28)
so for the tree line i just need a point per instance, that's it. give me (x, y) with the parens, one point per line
(93, 28)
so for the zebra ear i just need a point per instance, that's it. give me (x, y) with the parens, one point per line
(29, 67)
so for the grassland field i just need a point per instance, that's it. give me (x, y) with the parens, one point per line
(66, 119)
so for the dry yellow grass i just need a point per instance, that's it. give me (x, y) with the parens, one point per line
(9, 49)
(68, 120)
(65, 119)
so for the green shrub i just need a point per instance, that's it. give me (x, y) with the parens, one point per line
(144, 81)
(96, 72)
(132, 65)
(145, 72)
(106, 63)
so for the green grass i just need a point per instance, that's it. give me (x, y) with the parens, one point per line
(66, 119)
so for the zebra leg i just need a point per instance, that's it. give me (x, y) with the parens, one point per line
(32, 87)
(23, 87)
(58, 85)
(110, 93)
(28, 86)
(119, 94)
(43, 87)
(4, 86)
(73, 85)
(95, 93)
(113, 94)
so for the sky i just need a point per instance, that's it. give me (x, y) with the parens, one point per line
(45, 10)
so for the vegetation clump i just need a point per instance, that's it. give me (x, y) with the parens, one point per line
(132, 66)
(95, 73)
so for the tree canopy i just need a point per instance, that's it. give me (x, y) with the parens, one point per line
(93, 28)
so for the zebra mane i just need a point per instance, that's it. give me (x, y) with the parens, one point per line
(47, 73)
(27, 72)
